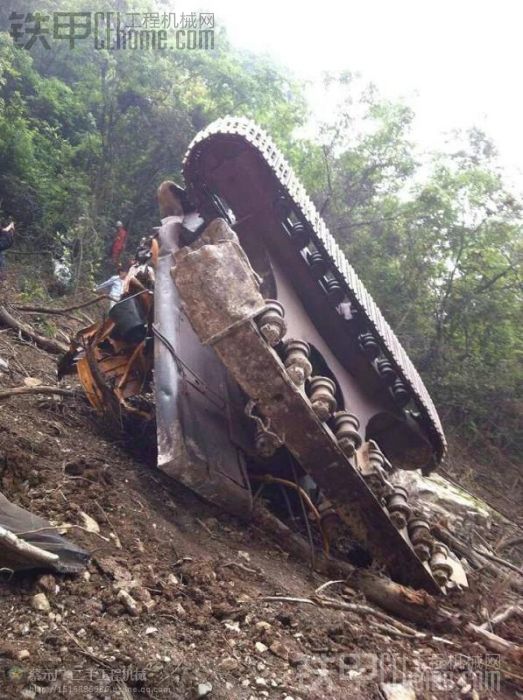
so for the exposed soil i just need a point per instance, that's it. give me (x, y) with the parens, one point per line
(198, 578)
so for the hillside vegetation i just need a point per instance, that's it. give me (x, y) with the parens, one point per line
(86, 136)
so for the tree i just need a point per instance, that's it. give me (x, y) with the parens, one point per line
(439, 245)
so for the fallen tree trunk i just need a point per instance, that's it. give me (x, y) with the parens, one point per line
(53, 346)
(502, 616)
(66, 310)
(415, 606)
(19, 390)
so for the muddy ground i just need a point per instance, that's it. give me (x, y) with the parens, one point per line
(201, 627)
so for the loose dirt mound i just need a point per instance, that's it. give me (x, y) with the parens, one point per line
(172, 604)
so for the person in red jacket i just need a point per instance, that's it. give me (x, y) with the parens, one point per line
(118, 246)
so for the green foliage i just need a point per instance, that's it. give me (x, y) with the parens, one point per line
(440, 246)
(87, 135)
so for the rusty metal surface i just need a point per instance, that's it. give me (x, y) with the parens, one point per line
(263, 377)
(222, 139)
(192, 399)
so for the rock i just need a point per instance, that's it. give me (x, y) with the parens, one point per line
(244, 555)
(438, 497)
(397, 691)
(296, 658)
(261, 648)
(262, 625)
(223, 610)
(232, 626)
(114, 537)
(141, 594)
(228, 664)
(203, 690)
(109, 565)
(46, 583)
(151, 630)
(90, 524)
(23, 654)
(260, 682)
(28, 693)
(32, 381)
(130, 604)
(40, 602)
(279, 649)
(244, 598)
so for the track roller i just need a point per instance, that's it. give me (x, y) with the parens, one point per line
(346, 426)
(439, 563)
(369, 345)
(297, 353)
(271, 322)
(398, 507)
(419, 533)
(321, 395)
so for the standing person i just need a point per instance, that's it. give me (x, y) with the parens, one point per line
(7, 236)
(113, 286)
(120, 239)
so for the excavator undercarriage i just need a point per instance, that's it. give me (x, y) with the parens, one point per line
(250, 343)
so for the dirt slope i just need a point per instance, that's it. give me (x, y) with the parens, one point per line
(198, 578)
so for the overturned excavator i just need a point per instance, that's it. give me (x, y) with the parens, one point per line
(247, 337)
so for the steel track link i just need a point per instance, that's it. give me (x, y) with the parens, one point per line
(285, 182)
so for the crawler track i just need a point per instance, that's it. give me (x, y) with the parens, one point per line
(234, 133)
